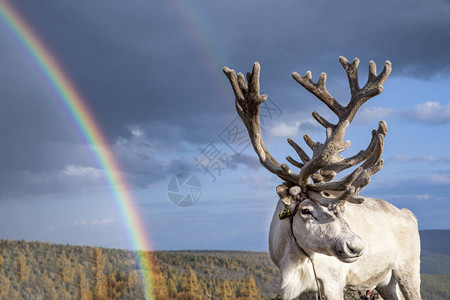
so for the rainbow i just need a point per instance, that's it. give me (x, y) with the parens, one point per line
(90, 130)
(209, 46)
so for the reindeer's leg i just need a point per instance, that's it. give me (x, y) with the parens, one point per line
(333, 291)
(389, 289)
(408, 278)
(307, 296)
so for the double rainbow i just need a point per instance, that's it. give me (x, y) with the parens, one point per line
(83, 118)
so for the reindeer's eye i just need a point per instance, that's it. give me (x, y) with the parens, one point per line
(326, 194)
(305, 211)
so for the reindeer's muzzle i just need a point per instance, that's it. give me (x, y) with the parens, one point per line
(349, 251)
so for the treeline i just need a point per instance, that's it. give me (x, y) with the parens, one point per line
(218, 274)
(39, 270)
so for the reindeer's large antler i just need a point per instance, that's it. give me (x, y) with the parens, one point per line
(248, 101)
(326, 157)
(325, 162)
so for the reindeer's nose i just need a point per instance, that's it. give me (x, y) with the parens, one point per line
(355, 247)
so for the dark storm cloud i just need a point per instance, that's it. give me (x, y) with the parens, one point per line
(139, 62)
(142, 162)
(157, 64)
(133, 63)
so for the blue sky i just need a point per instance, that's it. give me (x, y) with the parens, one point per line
(151, 73)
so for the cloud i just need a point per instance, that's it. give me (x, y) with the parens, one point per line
(283, 129)
(427, 159)
(259, 182)
(136, 131)
(143, 163)
(81, 222)
(293, 129)
(103, 221)
(437, 178)
(72, 179)
(430, 113)
(410, 197)
(49, 228)
(249, 161)
(79, 171)
(369, 114)
(95, 222)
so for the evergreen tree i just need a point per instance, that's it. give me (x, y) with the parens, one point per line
(251, 291)
(172, 289)
(4, 285)
(23, 271)
(49, 287)
(115, 283)
(83, 287)
(191, 288)
(134, 286)
(225, 291)
(98, 265)
(160, 290)
(65, 269)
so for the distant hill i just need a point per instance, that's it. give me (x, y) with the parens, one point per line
(30, 270)
(435, 258)
(435, 241)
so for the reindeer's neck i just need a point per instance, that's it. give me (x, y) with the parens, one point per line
(296, 272)
(296, 269)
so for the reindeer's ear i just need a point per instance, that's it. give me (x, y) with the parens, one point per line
(283, 193)
(288, 194)
(295, 191)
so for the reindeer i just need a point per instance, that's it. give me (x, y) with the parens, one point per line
(324, 237)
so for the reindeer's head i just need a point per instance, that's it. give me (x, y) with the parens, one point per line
(313, 201)
(319, 228)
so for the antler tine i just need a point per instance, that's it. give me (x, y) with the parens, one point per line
(319, 90)
(248, 101)
(359, 177)
(346, 195)
(322, 121)
(330, 171)
(355, 178)
(352, 73)
(364, 178)
(294, 162)
(337, 185)
(372, 165)
(373, 87)
(302, 154)
(375, 82)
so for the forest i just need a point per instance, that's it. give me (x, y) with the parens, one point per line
(43, 270)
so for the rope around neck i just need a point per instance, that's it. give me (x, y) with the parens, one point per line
(291, 220)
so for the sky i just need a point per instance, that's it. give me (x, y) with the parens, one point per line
(151, 74)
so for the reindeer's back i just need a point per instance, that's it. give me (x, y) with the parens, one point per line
(390, 234)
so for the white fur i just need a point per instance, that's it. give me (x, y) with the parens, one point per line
(390, 263)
